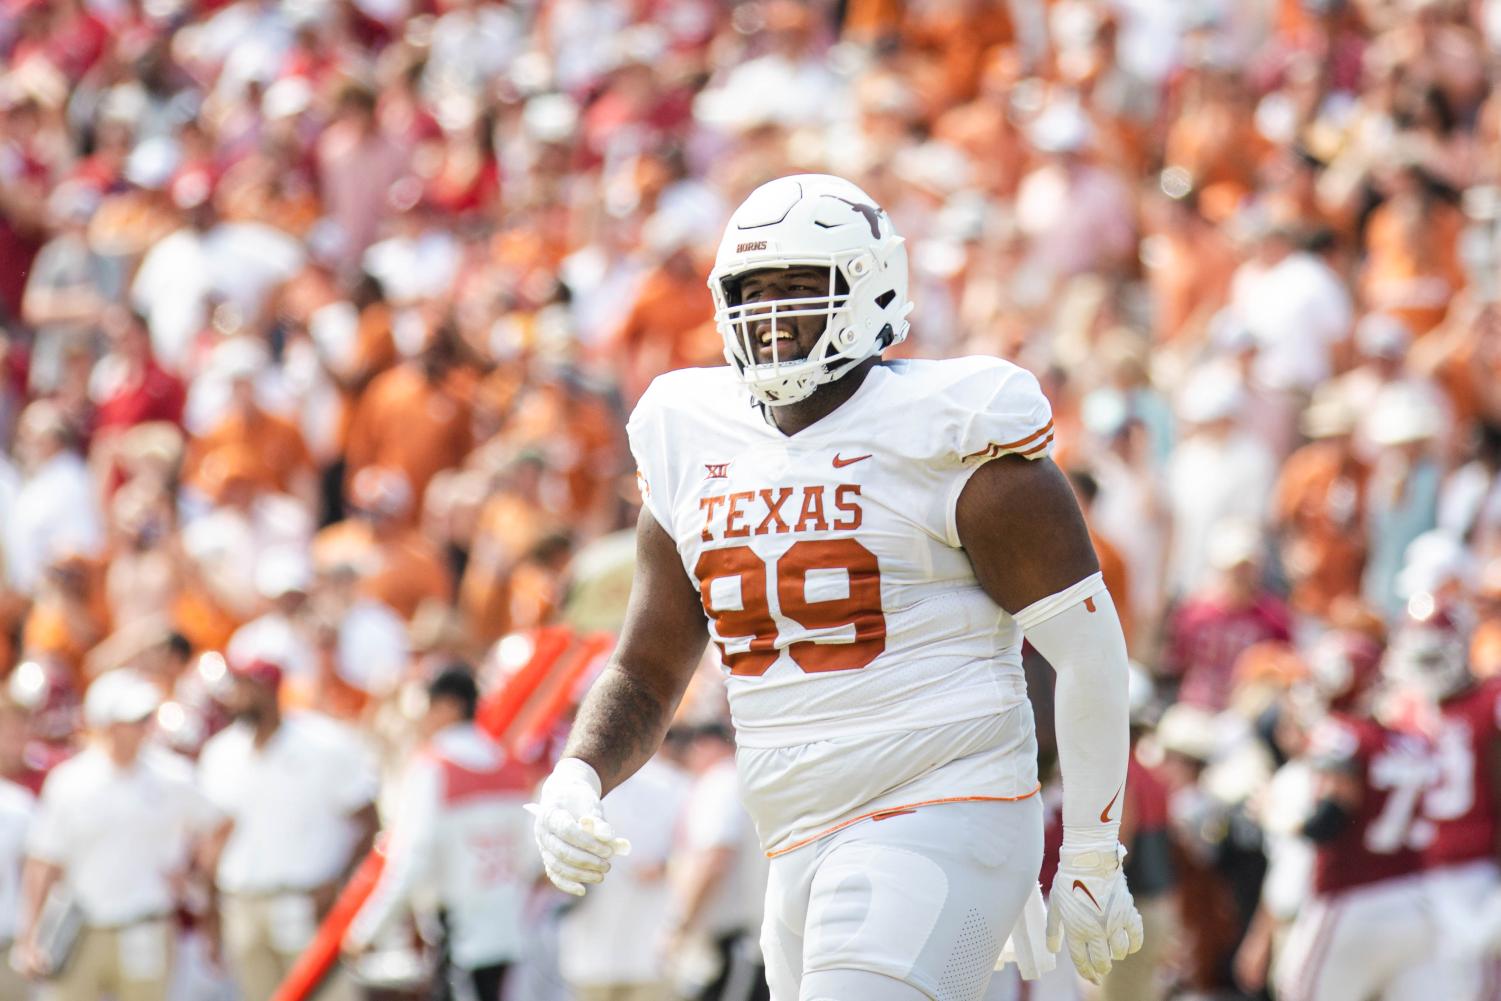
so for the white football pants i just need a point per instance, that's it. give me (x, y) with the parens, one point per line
(1465, 901)
(1366, 944)
(907, 907)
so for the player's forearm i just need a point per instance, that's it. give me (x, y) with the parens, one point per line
(705, 870)
(1080, 635)
(410, 855)
(1091, 751)
(37, 880)
(621, 724)
(625, 716)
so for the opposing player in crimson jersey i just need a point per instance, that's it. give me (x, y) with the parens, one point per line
(1462, 719)
(868, 541)
(1366, 931)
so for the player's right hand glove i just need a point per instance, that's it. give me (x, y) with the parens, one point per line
(1091, 906)
(571, 832)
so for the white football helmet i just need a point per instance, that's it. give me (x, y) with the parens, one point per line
(1430, 652)
(1343, 665)
(819, 221)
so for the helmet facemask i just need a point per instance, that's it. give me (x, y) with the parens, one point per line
(1432, 661)
(837, 349)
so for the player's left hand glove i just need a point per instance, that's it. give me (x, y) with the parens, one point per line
(1092, 907)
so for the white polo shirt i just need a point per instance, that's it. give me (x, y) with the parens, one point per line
(1297, 310)
(714, 817)
(55, 511)
(17, 807)
(291, 802)
(119, 835)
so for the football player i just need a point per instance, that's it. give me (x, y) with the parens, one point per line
(868, 541)
(1462, 719)
(1365, 931)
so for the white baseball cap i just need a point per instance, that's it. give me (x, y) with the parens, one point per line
(1190, 731)
(121, 696)
(152, 163)
(1234, 541)
(1213, 393)
(1063, 127)
(1330, 414)
(1433, 561)
(282, 570)
(1401, 416)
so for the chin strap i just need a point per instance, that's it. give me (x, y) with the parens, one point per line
(765, 409)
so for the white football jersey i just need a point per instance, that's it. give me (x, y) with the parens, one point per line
(828, 561)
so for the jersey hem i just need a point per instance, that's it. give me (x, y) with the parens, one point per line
(898, 808)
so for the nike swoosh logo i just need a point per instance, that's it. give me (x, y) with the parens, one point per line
(1105, 813)
(1079, 885)
(841, 463)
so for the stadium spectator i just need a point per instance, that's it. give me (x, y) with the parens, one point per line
(1217, 623)
(1404, 487)
(128, 385)
(1319, 508)
(1112, 566)
(55, 512)
(276, 782)
(278, 456)
(17, 808)
(611, 943)
(415, 417)
(113, 832)
(280, 635)
(667, 324)
(69, 284)
(1219, 472)
(398, 565)
(455, 847)
(1149, 869)
(717, 895)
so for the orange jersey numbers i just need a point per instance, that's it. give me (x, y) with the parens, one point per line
(831, 584)
(720, 573)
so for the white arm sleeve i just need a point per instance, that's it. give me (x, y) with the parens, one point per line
(1079, 633)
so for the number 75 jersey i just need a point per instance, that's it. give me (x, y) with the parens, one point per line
(828, 561)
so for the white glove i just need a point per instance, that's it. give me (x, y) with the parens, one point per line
(571, 832)
(1091, 906)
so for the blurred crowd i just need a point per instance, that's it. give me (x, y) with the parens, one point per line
(320, 319)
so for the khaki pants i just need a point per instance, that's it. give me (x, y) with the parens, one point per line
(263, 936)
(13, 986)
(132, 963)
(621, 992)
